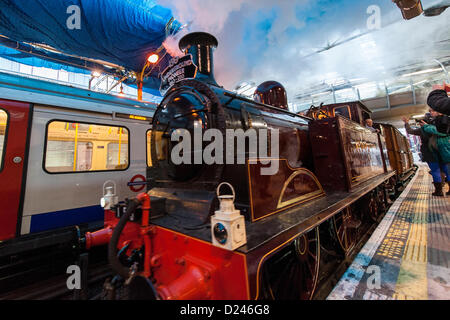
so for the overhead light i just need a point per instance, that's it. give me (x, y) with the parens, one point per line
(96, 73)
(421, 72)
(153, 58)
(320, 94)
(121, 94)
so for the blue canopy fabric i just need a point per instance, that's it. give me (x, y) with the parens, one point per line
(32, 60)
(121, 32)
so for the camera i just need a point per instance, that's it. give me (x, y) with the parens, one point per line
(442, 124)
(427, 118)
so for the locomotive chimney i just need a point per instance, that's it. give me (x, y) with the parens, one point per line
(201, 45)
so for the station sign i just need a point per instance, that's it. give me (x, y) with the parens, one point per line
(133, 117)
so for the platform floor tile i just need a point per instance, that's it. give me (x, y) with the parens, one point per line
(408, 256)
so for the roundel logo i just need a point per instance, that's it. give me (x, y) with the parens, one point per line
(137, 183)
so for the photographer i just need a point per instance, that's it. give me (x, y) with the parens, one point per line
(430, 154)
(438, 99)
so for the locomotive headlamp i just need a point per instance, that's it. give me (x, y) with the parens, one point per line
(220, 233)
(228, 225)
(109, 198)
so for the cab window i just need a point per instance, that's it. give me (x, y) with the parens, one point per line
(343, 111)
(81, 147)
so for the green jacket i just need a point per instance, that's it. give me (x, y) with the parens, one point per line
(443, 143)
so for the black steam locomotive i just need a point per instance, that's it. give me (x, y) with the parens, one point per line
(298, 184)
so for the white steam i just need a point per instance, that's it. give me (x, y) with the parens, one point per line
(248, 51)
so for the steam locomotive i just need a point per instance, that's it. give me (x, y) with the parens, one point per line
(186, 239)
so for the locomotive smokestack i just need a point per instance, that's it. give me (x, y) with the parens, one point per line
(201, 45)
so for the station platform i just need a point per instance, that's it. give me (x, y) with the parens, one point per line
(408, 255)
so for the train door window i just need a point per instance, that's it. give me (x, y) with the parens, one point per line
(81, 147)
(343, 111)
(3, 127)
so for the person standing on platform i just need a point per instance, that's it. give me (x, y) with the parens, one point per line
(438, 99)
(439, 143)
(430, 155)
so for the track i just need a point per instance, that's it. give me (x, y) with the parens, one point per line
(55, 288)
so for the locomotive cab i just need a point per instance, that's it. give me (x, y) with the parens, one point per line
(355, 111)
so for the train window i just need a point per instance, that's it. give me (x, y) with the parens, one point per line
(343, 111)
(117, 156)
(3, 123)
(162, 146)
(366, 115)
(149, 150)
(81, 147)
(61, 155)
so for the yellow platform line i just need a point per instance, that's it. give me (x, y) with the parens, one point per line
(412, 282)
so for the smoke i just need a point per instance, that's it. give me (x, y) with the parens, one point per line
(171, 45)
(229, 21)
(304, 42)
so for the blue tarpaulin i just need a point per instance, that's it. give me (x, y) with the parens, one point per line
(121, 32)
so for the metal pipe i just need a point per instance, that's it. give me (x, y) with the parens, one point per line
(334, 93)
(387, 96)
(444, 69)
(413, 89)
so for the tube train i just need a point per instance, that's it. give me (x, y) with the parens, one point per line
(58, 146)
(185, 239)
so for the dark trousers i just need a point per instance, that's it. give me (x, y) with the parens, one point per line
(436, 169)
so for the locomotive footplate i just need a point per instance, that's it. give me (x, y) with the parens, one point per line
(281, 227)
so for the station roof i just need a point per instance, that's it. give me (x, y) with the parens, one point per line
(115, 36)
(323, 51)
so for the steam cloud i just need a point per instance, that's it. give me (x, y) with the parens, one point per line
(285, 49)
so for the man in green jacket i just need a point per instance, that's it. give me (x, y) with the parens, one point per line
(439, 145)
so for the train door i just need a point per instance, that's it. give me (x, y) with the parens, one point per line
(14, 126)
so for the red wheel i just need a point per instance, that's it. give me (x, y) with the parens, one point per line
(292, 273)
(345, 228)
